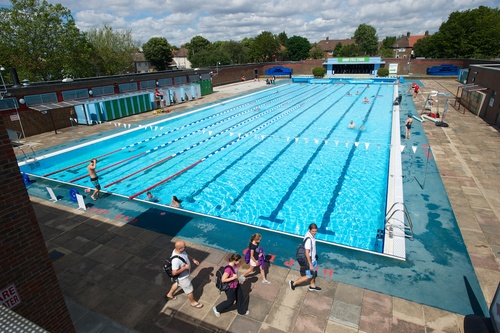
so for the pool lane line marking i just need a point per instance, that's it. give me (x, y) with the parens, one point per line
(247, 187)
(281, 115)
(273, 216)
(140, 170)
(340, 182)
(177, 139)
(206, 118)
(202, 188)
(109, 166)
(74, 165)
(196, 144)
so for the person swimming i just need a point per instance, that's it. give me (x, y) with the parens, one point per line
(151, 197)
(351, 125)
(175, 202)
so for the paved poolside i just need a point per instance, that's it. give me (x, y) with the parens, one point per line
(110, 271)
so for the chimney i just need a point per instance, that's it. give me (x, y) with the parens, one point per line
(14, 77)
(327, 38)
(408, 34)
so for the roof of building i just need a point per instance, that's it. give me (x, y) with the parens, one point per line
(407, 41)
(181, 53)
(329, 44)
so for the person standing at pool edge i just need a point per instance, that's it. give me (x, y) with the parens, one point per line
(94, 179)
(408, 123)
(312, 259)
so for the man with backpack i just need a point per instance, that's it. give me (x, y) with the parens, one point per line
(312, 261)
(181, 267)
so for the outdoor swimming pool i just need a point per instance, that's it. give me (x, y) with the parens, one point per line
(280, 159)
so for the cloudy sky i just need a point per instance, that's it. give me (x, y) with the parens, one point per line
(222, 20)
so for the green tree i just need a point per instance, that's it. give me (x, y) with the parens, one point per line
(351, 50)
(250, 52)
(386, 50)
(282, 38)
(234, 52)
(336, 50)
(265, 46)
(298, 48)
(367, 40)
(470, 34)
(158, 52)
(42, 41)
(424, 47)
(316, 52)
(198, 49)
(113, 50)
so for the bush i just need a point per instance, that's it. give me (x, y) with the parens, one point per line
(383, 72)
(319, 71)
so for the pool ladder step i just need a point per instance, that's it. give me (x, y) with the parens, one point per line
(408, 226)
(27, 156)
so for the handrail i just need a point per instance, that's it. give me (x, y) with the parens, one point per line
(408, 228)
(26, 156)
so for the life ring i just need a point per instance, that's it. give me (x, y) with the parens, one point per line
(72, 194)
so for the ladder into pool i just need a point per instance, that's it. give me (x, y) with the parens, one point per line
(408, 226)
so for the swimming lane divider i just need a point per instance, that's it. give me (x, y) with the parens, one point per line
(109, 166)
(202, 188)
(201, 120)
(281, 115)
(77, 164)
(192, 146)
(175, 140)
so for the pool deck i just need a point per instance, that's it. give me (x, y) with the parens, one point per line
(109, 271)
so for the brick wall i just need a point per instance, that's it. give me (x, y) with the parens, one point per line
(24, 261)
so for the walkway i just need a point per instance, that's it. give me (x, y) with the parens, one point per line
(110, 272)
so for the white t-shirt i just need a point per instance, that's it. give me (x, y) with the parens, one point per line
(311, 245)
(178, 264)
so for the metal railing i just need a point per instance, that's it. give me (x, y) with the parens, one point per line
(27, 156)
(408, 227)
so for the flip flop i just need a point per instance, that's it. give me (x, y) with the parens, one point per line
(197, 305)
(173, 298)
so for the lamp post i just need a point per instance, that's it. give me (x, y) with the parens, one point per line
(4, 87)
(217, 67)
(3, 93)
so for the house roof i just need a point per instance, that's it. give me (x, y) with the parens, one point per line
(406, 41)
(181, 53)
(139, 56)
(414, 39)
(329, 44)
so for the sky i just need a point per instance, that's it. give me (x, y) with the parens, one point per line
(223, 20)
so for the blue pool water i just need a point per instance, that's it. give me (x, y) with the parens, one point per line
(280, 159)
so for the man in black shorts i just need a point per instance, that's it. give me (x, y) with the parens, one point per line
(94, 179)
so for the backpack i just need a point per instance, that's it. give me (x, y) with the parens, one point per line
(247, 256)
(301, 254)
(222, 286)
(167, 267)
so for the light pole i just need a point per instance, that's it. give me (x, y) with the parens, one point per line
(3, 93)
(4, 87)
(217, 67)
